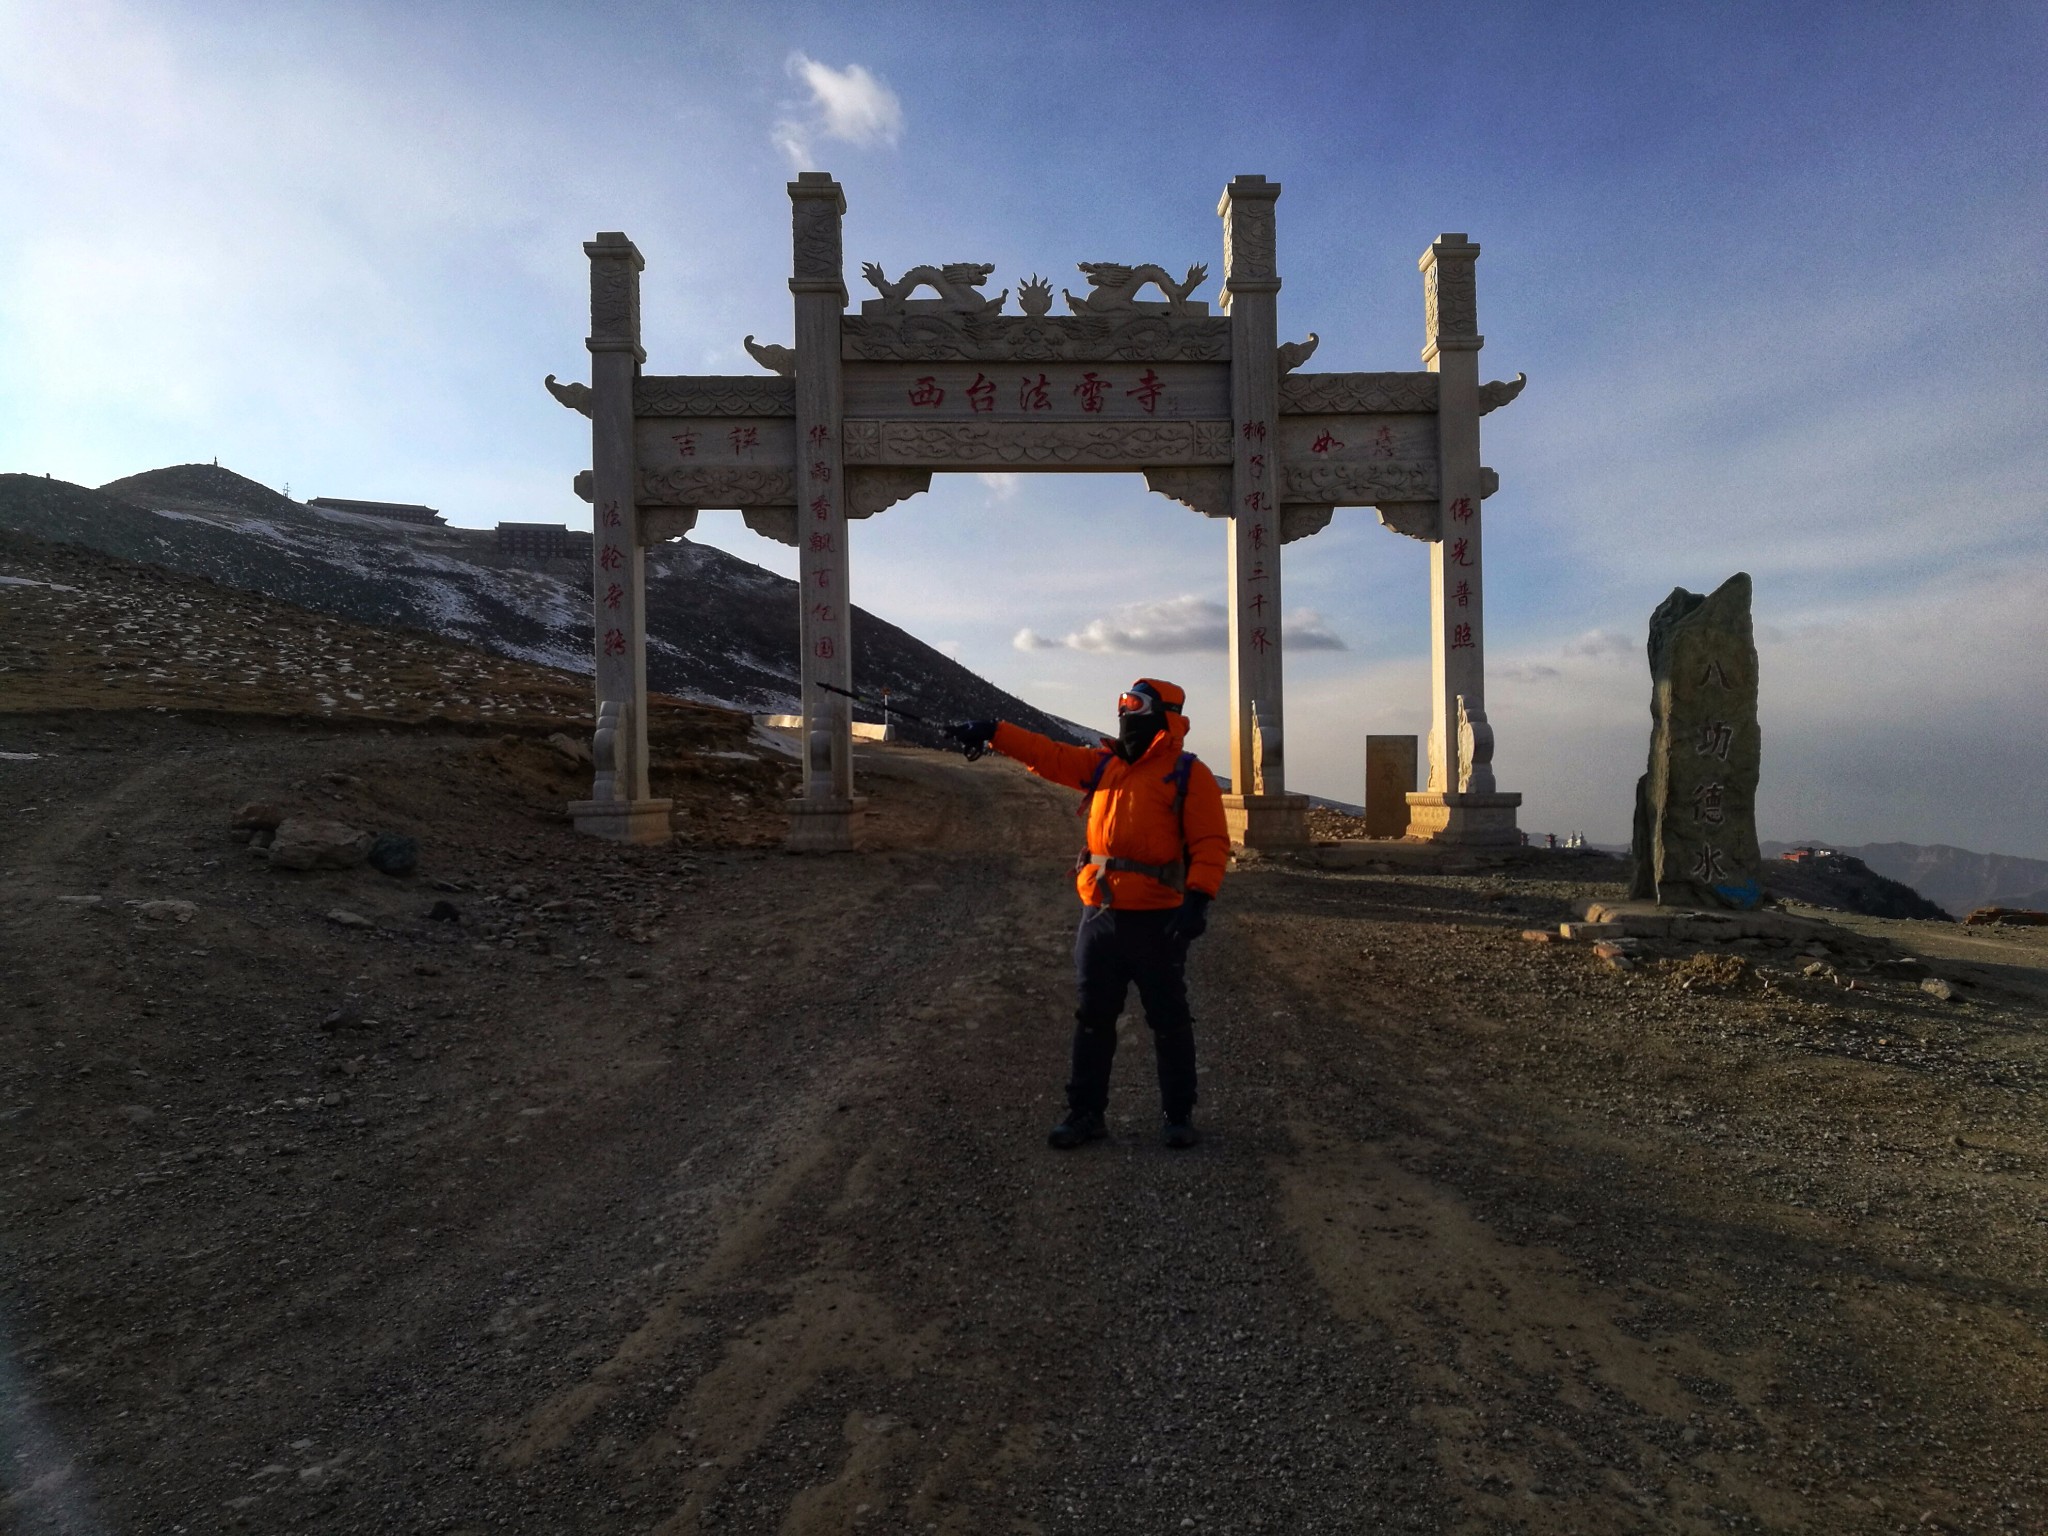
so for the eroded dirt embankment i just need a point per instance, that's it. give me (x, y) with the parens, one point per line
(704, 1188)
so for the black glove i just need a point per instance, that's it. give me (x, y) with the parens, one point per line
(973, 736)
(1190, 919)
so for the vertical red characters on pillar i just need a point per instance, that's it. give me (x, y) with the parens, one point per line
(1258, 504)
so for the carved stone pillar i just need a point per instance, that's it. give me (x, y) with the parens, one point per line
(1260, 812)
(620, 806)
(1460, 804)
(826, 816)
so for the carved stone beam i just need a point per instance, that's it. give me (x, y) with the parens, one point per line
(1417, 519)
(869, 491)
(777, 523)
(1300, 521)
(574, 396)
(1497, 394)
(660, 524)
(1207, 491)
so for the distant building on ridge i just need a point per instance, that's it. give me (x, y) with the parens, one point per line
(542, 541)
(395, 511)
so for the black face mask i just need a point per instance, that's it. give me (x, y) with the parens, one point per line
(1134, 733)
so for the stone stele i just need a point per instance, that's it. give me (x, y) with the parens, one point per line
(1695, 827)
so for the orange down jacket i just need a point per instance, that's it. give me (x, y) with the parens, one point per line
(1130, 815)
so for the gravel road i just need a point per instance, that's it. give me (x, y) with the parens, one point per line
(704, 1188)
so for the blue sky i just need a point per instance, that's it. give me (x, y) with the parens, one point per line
(1775, 273)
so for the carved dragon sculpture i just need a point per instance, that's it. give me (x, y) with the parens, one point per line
(957, 284)
(774, 358)
(574, 396)
(1113, 289)
(1294, 353)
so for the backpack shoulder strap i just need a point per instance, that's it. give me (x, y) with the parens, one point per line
(1094, 781)
(1182, 767)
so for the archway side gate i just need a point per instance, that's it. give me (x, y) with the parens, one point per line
(865, 407)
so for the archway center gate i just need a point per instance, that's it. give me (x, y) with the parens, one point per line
(865, 407)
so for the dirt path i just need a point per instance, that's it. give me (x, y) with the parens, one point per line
(704, 1189)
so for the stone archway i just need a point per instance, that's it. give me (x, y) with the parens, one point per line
(864, 408)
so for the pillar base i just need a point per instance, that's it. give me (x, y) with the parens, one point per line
(825, 826)
(1464, 821)
(1267, 823)
(624, 821)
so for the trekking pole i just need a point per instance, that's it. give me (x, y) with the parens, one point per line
(886, 709)
(845, 693)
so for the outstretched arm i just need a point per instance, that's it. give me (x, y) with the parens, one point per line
(1054, 760)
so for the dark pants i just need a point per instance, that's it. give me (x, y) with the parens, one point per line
(1112, 949)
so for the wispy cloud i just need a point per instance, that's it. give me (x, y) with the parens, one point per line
(848, 104)
(1001, 485)
(1178, 625)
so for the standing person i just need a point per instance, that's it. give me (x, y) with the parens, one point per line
(1157, 843)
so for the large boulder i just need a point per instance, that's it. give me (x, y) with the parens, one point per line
(1695, 823)
(306, 842)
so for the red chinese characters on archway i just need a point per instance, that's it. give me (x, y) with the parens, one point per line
(1148, 391)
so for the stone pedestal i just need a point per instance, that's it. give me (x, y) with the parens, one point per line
(1267, 823)
(1464, 820)
(825, 824)
(623, 821)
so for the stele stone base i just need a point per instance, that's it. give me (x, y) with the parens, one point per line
(1267, 823)
(624, 821)
(1464, 821)
(825, 826)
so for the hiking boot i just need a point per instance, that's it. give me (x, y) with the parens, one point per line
(1081, 1125)
(1180, 1135)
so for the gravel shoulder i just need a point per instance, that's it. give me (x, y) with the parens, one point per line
(703, 1188)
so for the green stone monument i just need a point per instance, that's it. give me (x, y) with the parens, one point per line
(1695, 826)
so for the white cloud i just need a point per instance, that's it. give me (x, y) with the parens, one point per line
(1306, 630)
(1176, 626)
(848, 104)
(1002, 485)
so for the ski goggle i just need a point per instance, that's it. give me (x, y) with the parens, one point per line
(1139, 704)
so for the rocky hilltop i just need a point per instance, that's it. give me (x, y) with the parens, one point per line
(1844, 883)
(720, 631)
(1955, 878)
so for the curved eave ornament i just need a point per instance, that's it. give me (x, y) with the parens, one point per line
(1497, 394)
